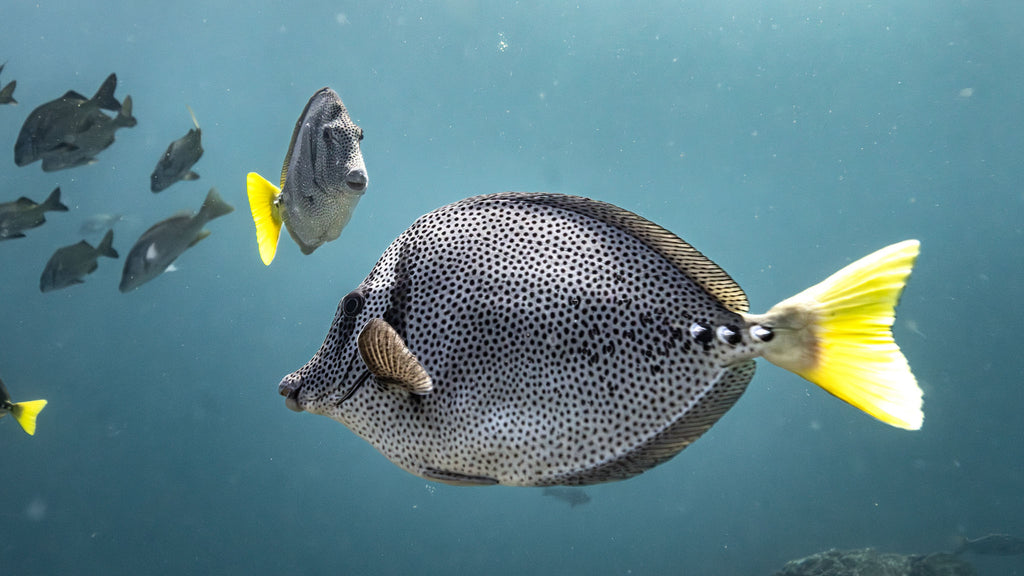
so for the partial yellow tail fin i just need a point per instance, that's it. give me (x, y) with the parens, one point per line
(838, 334)
(25, 413)
(265, 214)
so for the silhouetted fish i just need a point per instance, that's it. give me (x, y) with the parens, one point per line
(993, 545)
(24, 213)
(70, 264)
(568, 494)
(177, 161)
(80, 148)
(48, 127)
(159, 246)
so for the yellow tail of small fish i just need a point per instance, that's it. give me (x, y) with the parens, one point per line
(265, 214)
(25, 413)
(838, 335)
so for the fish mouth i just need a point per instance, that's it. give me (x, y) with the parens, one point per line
(292, 401)
(357, 180)
(290, 387)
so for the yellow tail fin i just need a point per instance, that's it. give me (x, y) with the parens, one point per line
(25, 413)
(265, 214)
(838, 335)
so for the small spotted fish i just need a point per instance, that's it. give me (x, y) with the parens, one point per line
(541, 339)
(322, 180)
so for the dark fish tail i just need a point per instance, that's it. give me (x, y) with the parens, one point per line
(53, 203)
(124, 117)
(7, 94)
(214, 206)
(106, 246)
(105, 95)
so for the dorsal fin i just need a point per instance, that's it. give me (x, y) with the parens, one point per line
(291, 145)
(677, 251)
(72, 95)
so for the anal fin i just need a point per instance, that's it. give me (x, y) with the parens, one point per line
(457, 479)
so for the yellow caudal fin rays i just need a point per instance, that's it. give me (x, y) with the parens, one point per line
(265, 214)
(25, 413)
(838, 335)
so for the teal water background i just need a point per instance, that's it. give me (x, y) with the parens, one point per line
(782, 139)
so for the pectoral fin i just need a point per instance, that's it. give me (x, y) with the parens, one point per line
(390, 360)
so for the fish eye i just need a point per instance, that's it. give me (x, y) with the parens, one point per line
(352, 304)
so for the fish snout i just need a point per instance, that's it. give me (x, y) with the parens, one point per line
(357, 180)
(289, 388)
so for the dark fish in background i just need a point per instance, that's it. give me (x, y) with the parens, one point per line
(570, 495)
(322, 180)
(157, 248)
(7, 92)
(24, 213)
(54, 127)
(70, 264)
(544, 339)
(993, 545)
(176, 163)
(24, 412)
(81, 148)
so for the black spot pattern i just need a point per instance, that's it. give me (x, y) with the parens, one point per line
(558, 332)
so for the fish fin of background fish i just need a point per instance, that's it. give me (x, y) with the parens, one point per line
(9, 236)
(199, 237)
(25, 413)
(193, 114)
(838, 335)
(53, 203)
(106, 246)
(105, 95)
(390, 360)
(214, 206)
(190, 175)
(72, 95)
(265, 214)
(124, 115)
(8, 92)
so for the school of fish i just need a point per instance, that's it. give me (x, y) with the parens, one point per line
(524, 339)
(322, 179)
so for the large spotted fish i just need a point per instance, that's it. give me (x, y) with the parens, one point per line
(542, 339)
